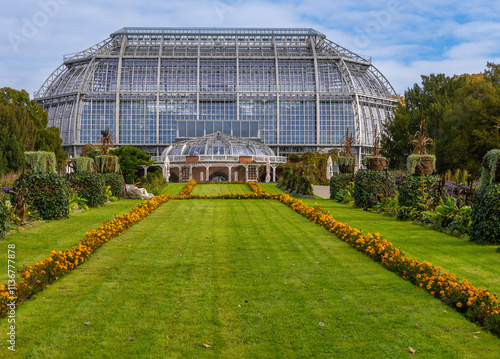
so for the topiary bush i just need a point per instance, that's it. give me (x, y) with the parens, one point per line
(3, 217)
(83, 164)
(410, 194)
(115, 181)
(90, 186)
(486, 215)
(340, 182)
(369, 185)
(47, 193)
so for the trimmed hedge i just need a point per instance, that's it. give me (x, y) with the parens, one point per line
(298, 186)
(89, 186)
(115, 181)
(46, 193)
(410, 192)
(486, 215)
(368, 185)
(340, 182)
(3, 217)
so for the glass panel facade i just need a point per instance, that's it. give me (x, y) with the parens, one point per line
(244, 129)
(297, 122)
(218, 76)
(139, 75)
(178, 75)
(257, 76)
(105, 77)
(335, 118)
(296, 76)
(138, 122)
(96, 117)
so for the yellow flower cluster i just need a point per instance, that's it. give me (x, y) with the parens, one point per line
(186, 191)
(33, 279)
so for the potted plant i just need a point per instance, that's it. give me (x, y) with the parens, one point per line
(420, 162)
(346, 161)
(374, 161)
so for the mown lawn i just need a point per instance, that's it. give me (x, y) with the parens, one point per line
(248, 278)
(477, 263)
(213, 189)
(36, 243)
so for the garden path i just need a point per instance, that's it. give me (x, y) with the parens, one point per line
(322, 191)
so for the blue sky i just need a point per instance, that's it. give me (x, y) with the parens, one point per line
(405, 39)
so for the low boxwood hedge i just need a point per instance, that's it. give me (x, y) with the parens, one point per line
(90, 186)
(340, 182)
(115, 181)
(369, 185)
(46, 193)
(410, 193)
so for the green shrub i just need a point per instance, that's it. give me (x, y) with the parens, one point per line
(47, 193)
(130, 158)
(340, 182)
(486, 215)
(40, 162)
(115, 181)
(411, 196)
(3, 217)
(369, 186)
(89, 186)
(83, 164)
(154, 182)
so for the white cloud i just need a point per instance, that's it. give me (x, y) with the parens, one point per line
(405, 38)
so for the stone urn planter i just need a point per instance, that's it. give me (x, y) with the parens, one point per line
(375, 163)
(420, 165)
(347, 164)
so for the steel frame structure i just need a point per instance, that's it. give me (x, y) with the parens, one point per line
(153, 86)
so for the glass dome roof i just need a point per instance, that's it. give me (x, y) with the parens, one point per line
(218, 143)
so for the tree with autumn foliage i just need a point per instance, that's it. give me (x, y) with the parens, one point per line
(462, 115)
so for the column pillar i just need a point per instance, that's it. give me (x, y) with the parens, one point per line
(207, 167)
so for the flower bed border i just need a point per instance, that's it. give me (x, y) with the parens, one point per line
(476, 304)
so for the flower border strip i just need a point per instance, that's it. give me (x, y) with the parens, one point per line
(34, 279)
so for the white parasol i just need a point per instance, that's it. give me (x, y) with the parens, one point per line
(329, 168)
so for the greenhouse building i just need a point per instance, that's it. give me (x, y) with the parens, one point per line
(291, 89)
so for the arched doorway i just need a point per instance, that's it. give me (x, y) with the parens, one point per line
(218, 176)
(173, 177)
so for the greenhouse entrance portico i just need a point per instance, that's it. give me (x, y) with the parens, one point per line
(217, 157)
